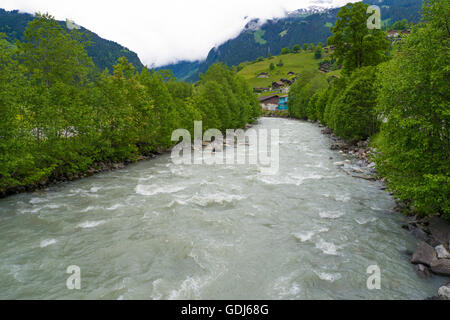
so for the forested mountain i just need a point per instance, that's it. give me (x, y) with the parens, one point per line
(298, 27)
(103, 52)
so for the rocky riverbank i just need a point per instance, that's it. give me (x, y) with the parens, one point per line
(66, 177)
(432, 255)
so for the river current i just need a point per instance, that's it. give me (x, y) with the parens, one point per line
(158, 230)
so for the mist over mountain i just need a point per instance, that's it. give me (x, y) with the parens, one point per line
(104, 53)
(310, 25)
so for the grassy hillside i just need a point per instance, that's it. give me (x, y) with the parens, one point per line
(296, 62)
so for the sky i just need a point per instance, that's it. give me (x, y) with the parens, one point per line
(166, 31)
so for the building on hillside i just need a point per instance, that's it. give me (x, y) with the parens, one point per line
(286, 81)
(392, 34)
(291, 73)
(282, 102)
(263, 75)
(285, 90)
(405, 32)
(269, 102)
(258, 90)
(277, 84)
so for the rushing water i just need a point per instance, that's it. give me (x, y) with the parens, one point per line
(156, 230)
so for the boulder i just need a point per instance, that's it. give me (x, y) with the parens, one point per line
(440, 230)
(441, 267)
(424, 254)
(442, 253)
(423, 271)
(444, 292)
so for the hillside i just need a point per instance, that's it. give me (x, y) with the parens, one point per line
(103, 52)
(302, 62)
(298, 27)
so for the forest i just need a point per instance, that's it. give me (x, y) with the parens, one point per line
(396, 95)
(60, 117)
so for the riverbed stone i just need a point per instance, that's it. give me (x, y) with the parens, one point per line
(424, 254)
(441, 267)
(440, 230)
(444, 292)
(423, 271)
(442, 253)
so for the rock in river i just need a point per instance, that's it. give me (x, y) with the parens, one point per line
(442, 253)
(441, 267)
(424, 254)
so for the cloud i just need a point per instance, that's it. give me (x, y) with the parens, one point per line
(166, 31)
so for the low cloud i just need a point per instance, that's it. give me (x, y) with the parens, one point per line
(163, 32)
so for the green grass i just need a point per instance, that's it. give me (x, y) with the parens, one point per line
(296, 62)
(259, 36)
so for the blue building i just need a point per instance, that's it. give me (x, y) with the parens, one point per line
(282, 103)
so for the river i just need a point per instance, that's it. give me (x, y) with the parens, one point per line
(157, 230)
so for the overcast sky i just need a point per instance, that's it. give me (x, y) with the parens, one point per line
(165, 31)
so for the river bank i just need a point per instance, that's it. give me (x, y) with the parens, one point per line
(432, 253)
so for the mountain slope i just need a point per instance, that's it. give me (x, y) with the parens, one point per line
(103, 52)
(298, 27)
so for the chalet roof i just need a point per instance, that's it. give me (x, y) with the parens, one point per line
(264, 98)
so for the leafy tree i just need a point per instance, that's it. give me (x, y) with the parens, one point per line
(356, 45)
(305, 47)
(272, 66)
(296, 48)
(353, 111)
(413, 101)
(285, 50)
(318, 53)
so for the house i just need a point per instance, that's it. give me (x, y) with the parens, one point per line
(291, 73)
(286, 81)
(256, 90)
(405, 32)
(269, 102)
(285, 90)
(277, 84)
(282, 102)
(263, 75)
(392, 34)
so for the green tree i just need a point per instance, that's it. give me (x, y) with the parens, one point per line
(296, 48)
(357, 46)
(413, 101)
(285, 50)
(272, 66)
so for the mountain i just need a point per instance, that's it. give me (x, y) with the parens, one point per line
(298, 27)
(103, 52)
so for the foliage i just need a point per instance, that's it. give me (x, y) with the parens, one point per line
(285, 50)
(59, 117)
(413, 101)
(355, 44)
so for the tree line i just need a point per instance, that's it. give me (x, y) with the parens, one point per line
(59, 117)
(397, 96)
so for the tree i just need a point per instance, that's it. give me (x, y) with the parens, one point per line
(305, 47)
(353, 114)
(272, 66)
(296, 48)
(413, 101)
(318, 53)
(280, 63)
(285, 50)
(357, 46)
